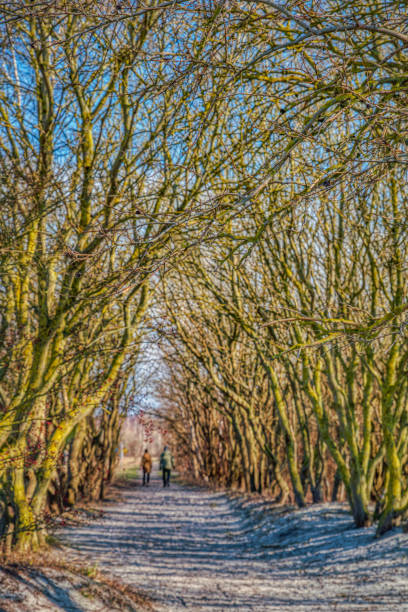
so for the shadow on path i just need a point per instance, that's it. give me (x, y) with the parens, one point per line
(190, 548)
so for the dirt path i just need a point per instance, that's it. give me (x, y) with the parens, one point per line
(193, 549)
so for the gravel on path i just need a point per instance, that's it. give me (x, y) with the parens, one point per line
(189, 548)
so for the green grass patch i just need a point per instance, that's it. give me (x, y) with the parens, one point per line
(91, 571)
(129, 473)
(53, 541)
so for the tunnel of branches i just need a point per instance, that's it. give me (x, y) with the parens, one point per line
(204, 203)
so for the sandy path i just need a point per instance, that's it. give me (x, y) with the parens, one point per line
(193, 549)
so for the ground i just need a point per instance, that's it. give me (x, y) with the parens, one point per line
(189, 548)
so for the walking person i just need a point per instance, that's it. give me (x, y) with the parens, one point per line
(147, 467)
(166, 464)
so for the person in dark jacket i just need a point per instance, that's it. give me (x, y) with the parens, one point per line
(166, 465)
(146, 467)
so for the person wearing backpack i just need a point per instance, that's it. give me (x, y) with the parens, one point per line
(166, 465)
